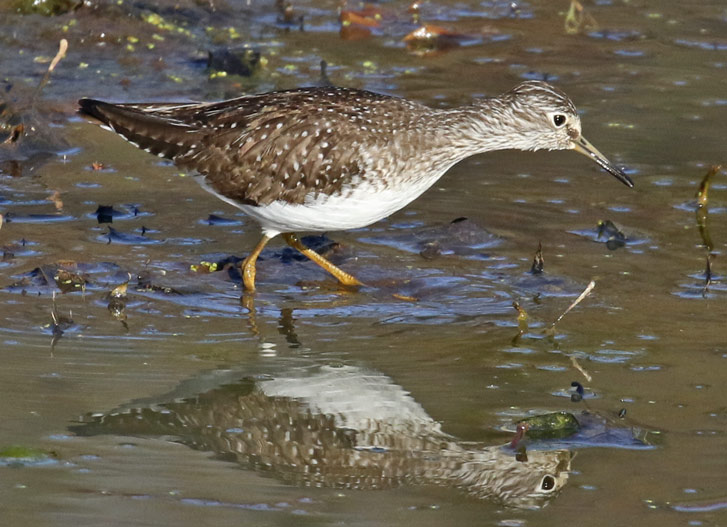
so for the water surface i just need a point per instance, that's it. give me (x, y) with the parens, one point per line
(451, 367)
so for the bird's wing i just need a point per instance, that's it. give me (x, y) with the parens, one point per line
(260, 148)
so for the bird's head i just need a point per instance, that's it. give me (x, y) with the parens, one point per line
(545, 118)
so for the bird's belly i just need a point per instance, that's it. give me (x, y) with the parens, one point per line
(353, 208)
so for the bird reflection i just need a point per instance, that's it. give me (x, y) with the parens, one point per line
(339, 427)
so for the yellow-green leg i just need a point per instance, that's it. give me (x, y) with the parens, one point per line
(342, 276)
(248, 265)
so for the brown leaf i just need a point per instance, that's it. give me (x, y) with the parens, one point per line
(428, 39)
(431, 32)
(367, 17)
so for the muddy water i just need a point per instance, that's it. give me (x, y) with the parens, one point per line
(315, 405)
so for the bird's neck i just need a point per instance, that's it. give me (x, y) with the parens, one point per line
(481, 127)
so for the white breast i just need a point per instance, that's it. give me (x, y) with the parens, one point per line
(355, 207)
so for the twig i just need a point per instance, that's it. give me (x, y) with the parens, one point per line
(62, 48)
(577, 301)
(580, 368)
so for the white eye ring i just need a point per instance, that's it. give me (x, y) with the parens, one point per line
(547, 484)
(558, 119)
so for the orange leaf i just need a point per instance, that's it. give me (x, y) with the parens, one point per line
(359, 18)
(431, 32)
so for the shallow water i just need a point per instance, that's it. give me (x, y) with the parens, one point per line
(450, 367)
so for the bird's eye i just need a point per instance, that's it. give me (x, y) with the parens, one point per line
(559, 120)
(548, 483)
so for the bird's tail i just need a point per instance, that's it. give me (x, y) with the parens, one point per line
(144, 126)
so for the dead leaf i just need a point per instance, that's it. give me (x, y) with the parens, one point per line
(429, 39)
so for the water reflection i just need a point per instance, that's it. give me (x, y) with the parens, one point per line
(335, 426)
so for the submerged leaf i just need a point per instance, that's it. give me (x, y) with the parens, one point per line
(368, 17)
(429, 38)
(522, 317)
(204, 267)
(702, 193)
(702, 213)
(120, 290)
(538, 262)
(68, 280)
(26, 453)
(552, 425)
(578, 20)
(614, 237)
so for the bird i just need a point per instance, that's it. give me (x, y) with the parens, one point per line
(319, 159)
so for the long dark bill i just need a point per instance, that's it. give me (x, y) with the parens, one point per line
(582, 146)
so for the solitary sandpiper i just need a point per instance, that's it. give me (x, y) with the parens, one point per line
(328, 159)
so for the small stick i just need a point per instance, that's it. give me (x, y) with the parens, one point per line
(707, 275)
(577, 301)
(62, 48)
(580, 368)
(520, 432)
(702, 193)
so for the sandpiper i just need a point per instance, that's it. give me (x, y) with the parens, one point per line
(328, 159)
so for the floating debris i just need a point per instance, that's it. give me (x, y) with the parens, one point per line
(117, 303)
(548, 426)
(584, 294)
(18, 456)
(522, 323)
(703, 192)
(707, 275)
(62, 49)
(405, 298)
(582, 429)
(702, 206)
(205, 267)
(577, 395)
(145, 284)
(55, 198)
(614, 237)
(429, 39)
(69, 281)
(357, 25)
(520, 430)
(578, 20)
(431, 250)
(522, 317)
(369, 16)
(16, 132)
(67, 276)
(242, 61)
(538, 262)
(702, 213)
(580, 368)
(120, 290)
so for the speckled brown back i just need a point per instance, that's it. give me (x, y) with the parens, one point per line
(261, 148)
